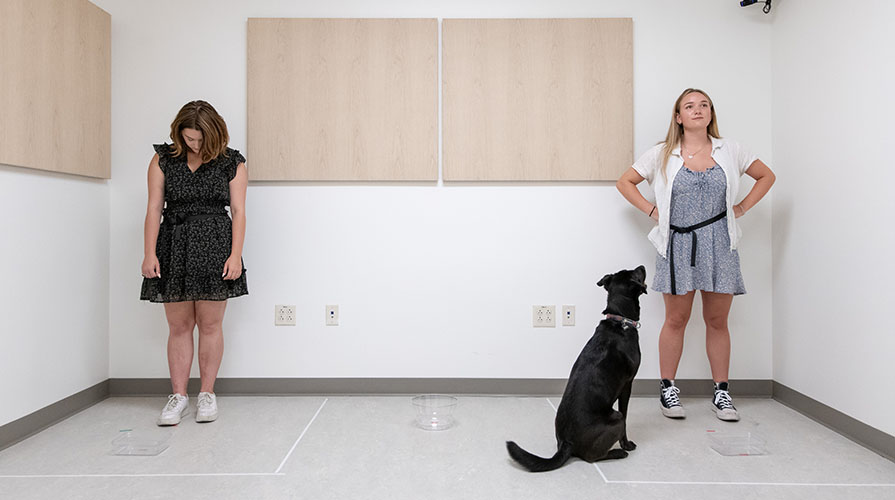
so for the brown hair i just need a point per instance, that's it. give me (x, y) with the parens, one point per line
(676, 130)
(201, 116)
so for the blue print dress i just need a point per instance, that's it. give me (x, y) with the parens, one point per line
(696, 197)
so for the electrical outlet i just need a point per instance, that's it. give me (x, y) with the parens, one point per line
(543, 316)
(332, 315)
(283, 315)
(568, 315)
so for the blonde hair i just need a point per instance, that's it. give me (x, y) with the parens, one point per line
(676, 130)
(201, 116)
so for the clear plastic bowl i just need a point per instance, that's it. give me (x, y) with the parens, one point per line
(139, 443)
(434, 412)
(737, 444)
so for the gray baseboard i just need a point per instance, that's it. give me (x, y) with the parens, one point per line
(33, 423)
(348, 386)
(745, 388)
(859, 432)
(406, 386)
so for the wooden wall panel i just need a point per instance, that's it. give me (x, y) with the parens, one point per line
(537, 99)
(55, 86)
(343, 99)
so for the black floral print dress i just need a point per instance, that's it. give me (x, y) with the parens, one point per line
(196, 231)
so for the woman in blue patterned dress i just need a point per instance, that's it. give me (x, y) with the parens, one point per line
(193, 249)
(695, 175)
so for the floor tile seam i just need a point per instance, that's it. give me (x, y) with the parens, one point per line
(758, 483)
(605, 481)
(713, 483)
(303, 432)
(198, 474)
(255, 474)
(186, 474)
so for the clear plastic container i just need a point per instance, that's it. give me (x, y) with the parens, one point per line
(732, 444)
(434, 412)
(139, 443)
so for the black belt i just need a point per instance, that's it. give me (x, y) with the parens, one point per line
(692, 230)
(178, 220)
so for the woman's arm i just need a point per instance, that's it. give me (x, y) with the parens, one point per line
(627, 186)
(156, 185)
(764, 179)
(233, 266)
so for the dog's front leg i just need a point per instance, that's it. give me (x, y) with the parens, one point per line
(623, 399)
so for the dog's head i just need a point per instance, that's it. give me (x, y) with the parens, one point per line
(627, 283)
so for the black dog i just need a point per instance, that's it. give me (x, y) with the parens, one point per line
(586, 424)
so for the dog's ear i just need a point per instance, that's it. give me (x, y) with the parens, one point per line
(640, 274)
(605, 281)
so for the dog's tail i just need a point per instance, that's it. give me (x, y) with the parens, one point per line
(535, 463)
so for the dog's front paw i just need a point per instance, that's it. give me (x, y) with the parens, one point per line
(628, 445)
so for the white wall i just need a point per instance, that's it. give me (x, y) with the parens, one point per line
(833, 75)
(432, 280)
(54, 287)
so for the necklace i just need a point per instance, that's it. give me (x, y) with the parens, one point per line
(691, 154)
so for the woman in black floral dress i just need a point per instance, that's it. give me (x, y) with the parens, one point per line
(193, 249)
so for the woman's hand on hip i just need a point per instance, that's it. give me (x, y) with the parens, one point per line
(232, 268)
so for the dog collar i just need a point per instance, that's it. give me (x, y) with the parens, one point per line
(625, 321)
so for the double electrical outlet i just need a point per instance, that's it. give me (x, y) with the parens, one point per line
(284, 315)
(545, 316)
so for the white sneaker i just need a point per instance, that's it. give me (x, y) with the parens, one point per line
(207, 408)
(177, 407)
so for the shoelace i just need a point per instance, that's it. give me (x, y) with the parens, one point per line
(670, 396)
(722, 400)
(204, 401)
(173, 401)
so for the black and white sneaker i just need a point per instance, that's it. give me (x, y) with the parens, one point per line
(671, 404)
(723, 405)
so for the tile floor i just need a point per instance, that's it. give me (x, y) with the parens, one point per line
(368, 448)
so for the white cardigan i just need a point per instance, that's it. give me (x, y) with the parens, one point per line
(729, 155)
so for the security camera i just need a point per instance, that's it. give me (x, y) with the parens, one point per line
(765, 9)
